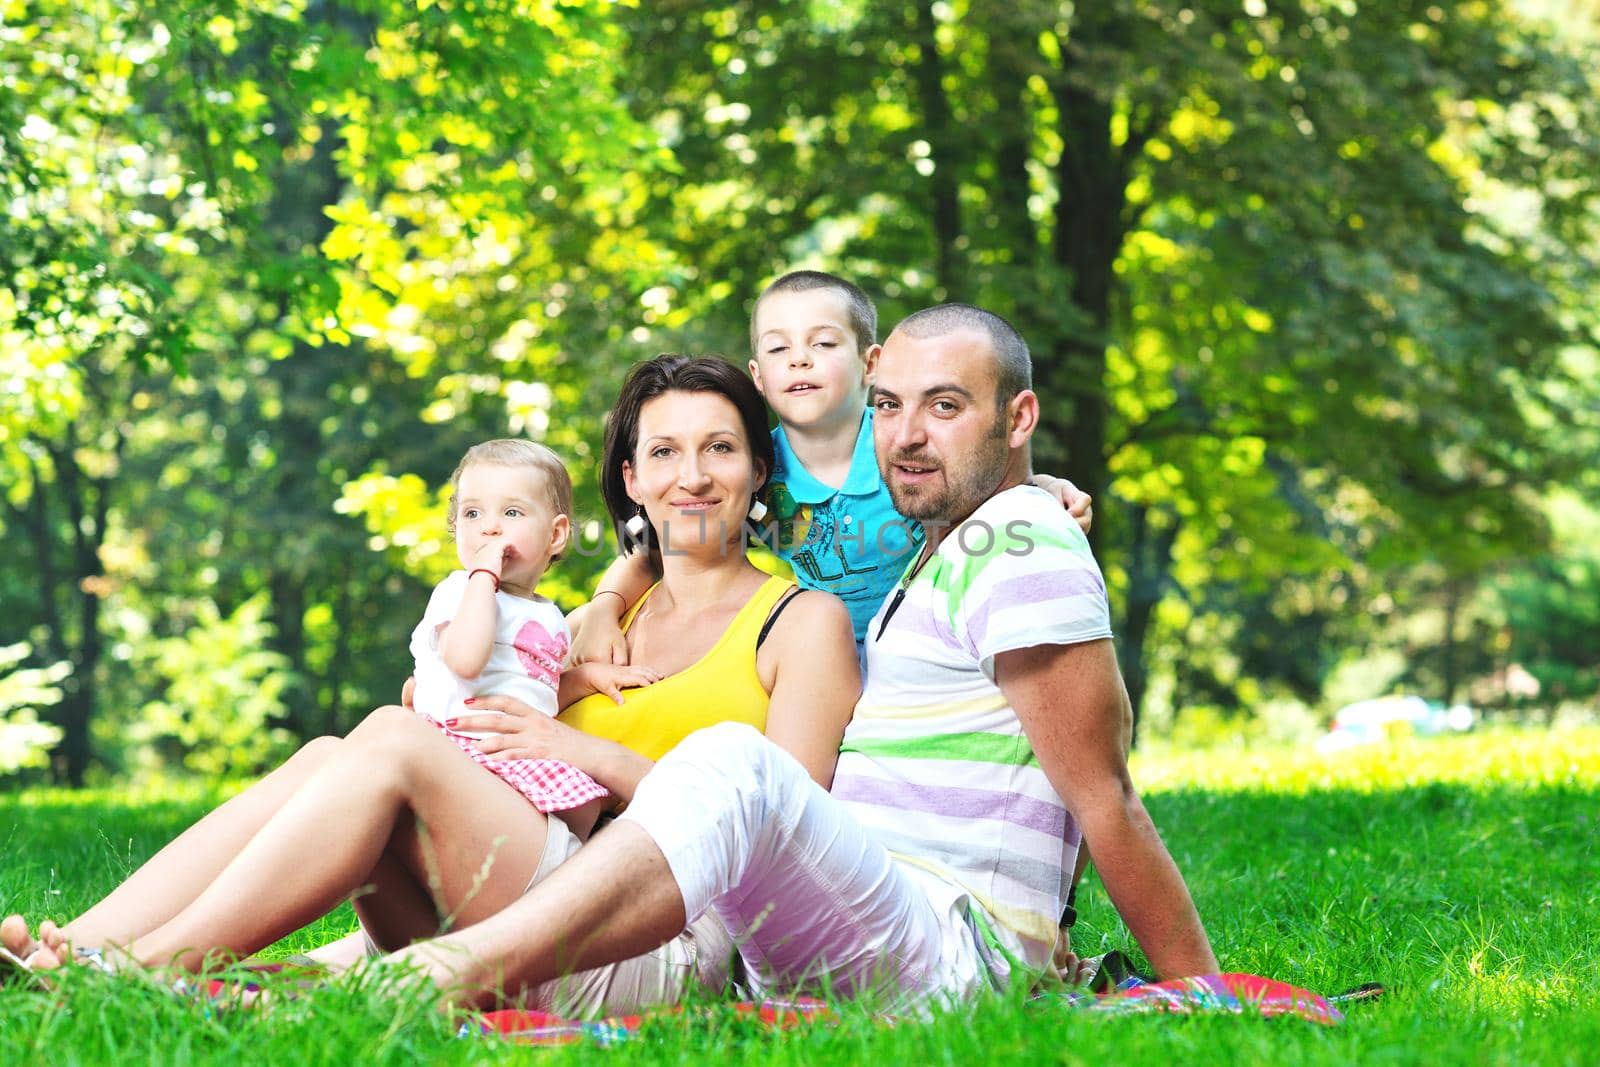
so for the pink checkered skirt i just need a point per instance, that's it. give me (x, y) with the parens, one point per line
(549, 784)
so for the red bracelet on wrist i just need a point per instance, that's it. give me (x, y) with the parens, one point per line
(490, 573)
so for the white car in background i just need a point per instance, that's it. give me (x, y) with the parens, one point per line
(1389, 718)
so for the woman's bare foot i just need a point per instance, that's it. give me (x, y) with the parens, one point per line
(15, 938)
(45, 958)
(54, 938)
(48, 952)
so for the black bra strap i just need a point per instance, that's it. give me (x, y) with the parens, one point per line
(777, 610)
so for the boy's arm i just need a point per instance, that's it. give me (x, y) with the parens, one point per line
(1079, 505)
(466, 641)
(1070, 700)
(597, 626)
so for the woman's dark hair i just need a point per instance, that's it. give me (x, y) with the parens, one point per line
(671, 373)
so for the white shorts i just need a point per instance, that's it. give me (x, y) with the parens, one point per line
(813, 902)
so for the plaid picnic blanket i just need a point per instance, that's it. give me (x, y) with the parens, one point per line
(1229, 994)
(542, 1028)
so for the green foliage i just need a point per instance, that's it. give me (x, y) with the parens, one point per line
(1553, 611)
(254, 250)
(1551, 608)
(223, 696)
(1298, 279)
(24, 740)
(1308, 286)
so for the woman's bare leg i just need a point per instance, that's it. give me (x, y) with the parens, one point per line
(394, 906)
(173, 877)
(395, 910)
(400, 902)
(484, 842)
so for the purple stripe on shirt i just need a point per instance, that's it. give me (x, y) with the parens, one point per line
(924, 624)
(1040, 586)
(1037, 588)
(953, 802)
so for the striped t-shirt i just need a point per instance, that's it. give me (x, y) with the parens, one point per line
(934, 762)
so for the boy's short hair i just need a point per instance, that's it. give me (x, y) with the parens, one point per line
(863, 315)
(516, 452)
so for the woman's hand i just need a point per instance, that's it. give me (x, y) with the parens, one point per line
(514, 730)
(1079, 505)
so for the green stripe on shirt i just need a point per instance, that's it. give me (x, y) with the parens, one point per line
(1010, 751)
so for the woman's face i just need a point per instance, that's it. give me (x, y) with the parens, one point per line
(692, 471)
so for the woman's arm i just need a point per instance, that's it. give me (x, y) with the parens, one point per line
(809, 659)
(816, 680)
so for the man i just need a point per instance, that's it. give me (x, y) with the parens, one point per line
(988, 743)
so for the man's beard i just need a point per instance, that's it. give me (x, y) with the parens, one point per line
(962, 491)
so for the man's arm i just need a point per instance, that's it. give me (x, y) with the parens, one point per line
(1072, 705)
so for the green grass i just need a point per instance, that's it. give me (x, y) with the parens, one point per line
(1460, 872)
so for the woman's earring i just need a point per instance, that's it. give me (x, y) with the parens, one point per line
(758, 511)
(634, 527)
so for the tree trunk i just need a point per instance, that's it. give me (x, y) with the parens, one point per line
(87, 502)
(288, 615)
(1149, 563)
(1450, 668)
(1087, 237)
(937, 130)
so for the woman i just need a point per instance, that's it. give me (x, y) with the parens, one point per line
(425, 841)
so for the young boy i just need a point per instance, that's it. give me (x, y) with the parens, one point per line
(813, 341)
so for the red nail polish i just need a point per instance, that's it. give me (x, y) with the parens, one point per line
(470, 700)
(451, 722)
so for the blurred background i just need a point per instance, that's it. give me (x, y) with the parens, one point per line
(1312, 288)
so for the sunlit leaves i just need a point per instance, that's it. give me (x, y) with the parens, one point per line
(24, 740)
(223, 691)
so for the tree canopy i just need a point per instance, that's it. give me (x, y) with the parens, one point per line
(1309, 287)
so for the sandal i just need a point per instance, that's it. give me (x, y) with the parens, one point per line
(19, 970)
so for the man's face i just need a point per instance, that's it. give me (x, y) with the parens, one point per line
(943, 447)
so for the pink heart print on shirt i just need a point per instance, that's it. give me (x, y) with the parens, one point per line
(541, 652)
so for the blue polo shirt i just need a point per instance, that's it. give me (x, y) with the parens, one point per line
(849, 541)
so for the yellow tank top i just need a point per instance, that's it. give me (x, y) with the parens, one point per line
(721, 686)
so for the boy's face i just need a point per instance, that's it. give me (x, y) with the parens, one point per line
(509, 506)
(808, 361)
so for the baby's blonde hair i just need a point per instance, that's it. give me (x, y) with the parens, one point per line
(515, 452)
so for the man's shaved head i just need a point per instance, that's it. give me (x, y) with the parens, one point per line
(1013, 364)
